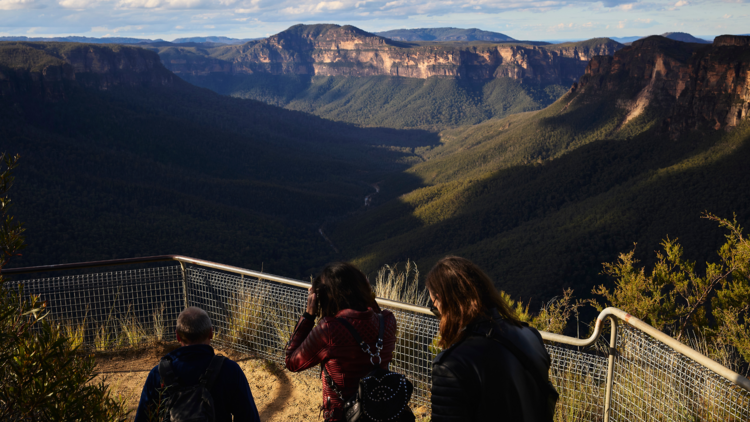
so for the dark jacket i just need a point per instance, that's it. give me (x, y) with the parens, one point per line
(478, 379)
(332, 344)
(231, 392)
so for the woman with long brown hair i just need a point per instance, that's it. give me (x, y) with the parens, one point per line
(493, 366)
(343, 299)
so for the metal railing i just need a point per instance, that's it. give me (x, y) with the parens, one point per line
(640, 374)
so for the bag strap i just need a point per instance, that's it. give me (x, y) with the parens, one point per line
(166, 372)
(364, 346)
(331, 383)
(212, 372)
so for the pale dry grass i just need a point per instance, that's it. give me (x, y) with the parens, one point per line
(401, 286)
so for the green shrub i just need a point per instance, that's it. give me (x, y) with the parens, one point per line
(44, 377)
(711, 306)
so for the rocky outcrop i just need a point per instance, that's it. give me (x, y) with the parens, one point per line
(689, 85)
(332, 50)
(46, 69)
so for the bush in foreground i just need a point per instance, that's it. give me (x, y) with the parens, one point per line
(44, 376)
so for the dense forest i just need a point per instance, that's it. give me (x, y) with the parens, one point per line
(388, 101)
(138, 170)
(539, 199)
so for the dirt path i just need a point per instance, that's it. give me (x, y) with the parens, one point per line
(280, 396)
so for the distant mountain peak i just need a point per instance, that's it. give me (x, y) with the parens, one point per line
(444, 34)
(319, 29)
(684, 37)
(327, 32)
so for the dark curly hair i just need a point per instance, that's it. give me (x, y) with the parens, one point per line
(340, 286)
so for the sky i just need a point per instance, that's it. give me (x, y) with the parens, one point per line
(520, 19)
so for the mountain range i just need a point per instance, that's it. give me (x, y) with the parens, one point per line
(443, 34)
(677, 36)
(344, 73)
(121, 158)
(645, 142)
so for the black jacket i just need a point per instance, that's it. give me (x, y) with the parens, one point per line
(231, 392)
(478, 379)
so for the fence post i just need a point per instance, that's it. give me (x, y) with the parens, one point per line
(184, 284)
(610, 368)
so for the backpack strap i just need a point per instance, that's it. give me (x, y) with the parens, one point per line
(366, 347)
(166, 372)
(353, 331)
(212, 372)
(331, 382)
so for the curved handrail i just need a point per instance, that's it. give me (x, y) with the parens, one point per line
(557, 338)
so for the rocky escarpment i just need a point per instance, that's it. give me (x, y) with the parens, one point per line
(332, 50)
(47, 69)
(690, 86)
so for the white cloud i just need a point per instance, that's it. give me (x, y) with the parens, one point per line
(20, 4)
(126, 28)
(571, 26)
(253, 18)
(161, 4)
(78, 4)
(329, 5)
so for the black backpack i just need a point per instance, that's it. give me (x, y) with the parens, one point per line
(383, 395)
(188, 403)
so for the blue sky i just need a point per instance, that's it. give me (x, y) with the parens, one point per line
(520, 19)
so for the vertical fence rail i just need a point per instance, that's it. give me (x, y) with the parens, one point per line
(611, 353)
(639, 375)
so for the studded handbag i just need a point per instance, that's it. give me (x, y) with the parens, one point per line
(383, 395)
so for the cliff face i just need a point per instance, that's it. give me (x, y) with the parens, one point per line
(46, 69)
(330, 50)
(690, 84)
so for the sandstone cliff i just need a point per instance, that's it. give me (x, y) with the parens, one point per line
(46, 69)
(689, 85)
(332, 50)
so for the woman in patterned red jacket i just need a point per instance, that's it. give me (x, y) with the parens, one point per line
(340, 291)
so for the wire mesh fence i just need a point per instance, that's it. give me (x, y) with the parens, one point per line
(652, 382)
(655, 383)
(112, 310)
(580, 379)
(259, 316)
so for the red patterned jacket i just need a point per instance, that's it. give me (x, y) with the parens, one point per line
(332, 344)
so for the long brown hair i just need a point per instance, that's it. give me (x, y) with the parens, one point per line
(464, 292)
(341, 285)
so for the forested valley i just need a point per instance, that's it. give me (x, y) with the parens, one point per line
(125, 161)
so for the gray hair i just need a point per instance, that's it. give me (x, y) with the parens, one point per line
(193, 325)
